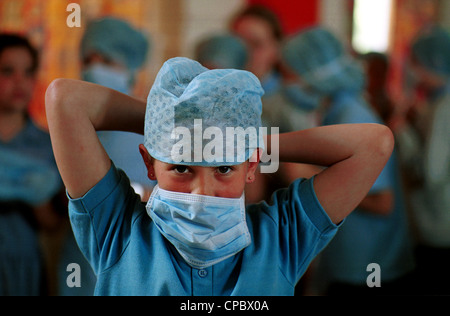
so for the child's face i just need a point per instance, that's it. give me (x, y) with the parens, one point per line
(224, 181)
(262, 44)
(17, 79)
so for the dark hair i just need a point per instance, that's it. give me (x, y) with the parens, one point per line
(13, 40)
(264, 14)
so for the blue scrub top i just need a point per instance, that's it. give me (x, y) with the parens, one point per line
(28, 171)
(367, 238)
(351, 108)
(131, 257)
(28, 176)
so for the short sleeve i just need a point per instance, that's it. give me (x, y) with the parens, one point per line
(304, 228)
(102, 219)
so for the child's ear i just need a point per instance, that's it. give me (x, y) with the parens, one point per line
(148, 162)
(253, 163)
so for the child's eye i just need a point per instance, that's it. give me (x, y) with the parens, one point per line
(6, 71)
(224, 169)
(181, 169)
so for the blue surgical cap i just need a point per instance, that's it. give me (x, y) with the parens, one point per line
(432, 50)
(222, 51)
(191, 105)
(117, 40)
(319, 58)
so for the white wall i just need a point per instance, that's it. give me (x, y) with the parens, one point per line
(334, 15)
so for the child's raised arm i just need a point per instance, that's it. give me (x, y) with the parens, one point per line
(355, 154)
(75, 110)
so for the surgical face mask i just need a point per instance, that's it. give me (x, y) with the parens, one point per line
(204, 229)
(302, 98)
(119, 80)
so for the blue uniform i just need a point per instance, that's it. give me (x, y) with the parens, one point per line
(28, 177)
(366, 238)
(131, 257)
(28, 170)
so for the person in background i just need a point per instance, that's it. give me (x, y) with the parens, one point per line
(284, 106)
(29, 178)
(112, 52)
(260, 29)
(222, 51)
(377, 67)
(377, 231)
(423, 137)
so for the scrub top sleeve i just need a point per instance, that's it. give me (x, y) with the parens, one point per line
(101, 220)
(305, 228)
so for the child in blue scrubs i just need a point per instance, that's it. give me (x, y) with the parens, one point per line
(29, 179)
(377, 232)
(195, 236)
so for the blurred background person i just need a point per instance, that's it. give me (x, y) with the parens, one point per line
(377, 68)
(222, 51)
(423, 135)
(260, 29)
(112, 51)
(377, 231)
(29, 178)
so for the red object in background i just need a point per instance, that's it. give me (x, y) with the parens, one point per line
(293, 14)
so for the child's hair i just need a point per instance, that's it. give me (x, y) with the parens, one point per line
(187, 99)
(15, 41)
(264, 14)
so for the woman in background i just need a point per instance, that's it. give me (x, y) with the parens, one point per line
(425, 152)
(29, 178)
(284, 106)
(377, 231)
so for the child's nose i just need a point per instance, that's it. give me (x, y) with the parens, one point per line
(203, 186)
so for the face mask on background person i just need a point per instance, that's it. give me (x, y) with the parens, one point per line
(204, 229)
(110, 77)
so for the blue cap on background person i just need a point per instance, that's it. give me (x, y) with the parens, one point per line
(113, 51)
(431, 49)
(185, 92)
(222, 51)
(321, 61)
(116, 40)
